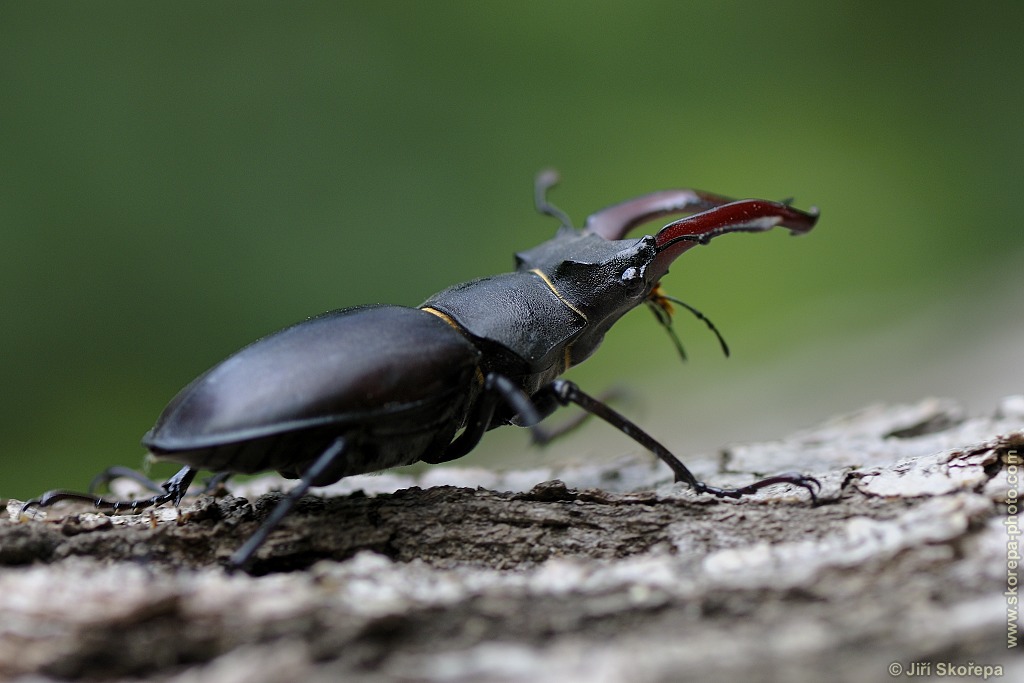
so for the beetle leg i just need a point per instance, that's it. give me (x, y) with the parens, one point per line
(174, 490)
(497, 388)
(547, 403)
(241, 557)
(614, 222)
(118, 472)
(545, 181)
(566, 392)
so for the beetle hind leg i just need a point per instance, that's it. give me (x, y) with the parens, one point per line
(566, 392)
(173, 489)
(104, 478)
(110, 474)
(324, 462)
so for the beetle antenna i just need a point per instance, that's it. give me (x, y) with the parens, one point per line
(665, 320)
(661, 304)
(704, 319)
(547, 179)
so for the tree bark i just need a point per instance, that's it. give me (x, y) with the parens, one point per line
(600, 573)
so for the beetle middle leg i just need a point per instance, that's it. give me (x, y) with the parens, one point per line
(564, 392)
(324, 462)
(497, 388)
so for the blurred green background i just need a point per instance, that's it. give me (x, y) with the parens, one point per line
(178, 179)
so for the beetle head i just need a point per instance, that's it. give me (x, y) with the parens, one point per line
(601, 279)
(603, 275)
(596, 275)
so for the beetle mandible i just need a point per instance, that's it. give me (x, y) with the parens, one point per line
(373, 387)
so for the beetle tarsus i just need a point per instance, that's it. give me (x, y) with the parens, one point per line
(807, 482)
(566, 392)
(174, 489)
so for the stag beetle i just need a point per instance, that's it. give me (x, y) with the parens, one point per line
(373, 387)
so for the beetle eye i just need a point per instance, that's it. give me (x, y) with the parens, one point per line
(631, 275)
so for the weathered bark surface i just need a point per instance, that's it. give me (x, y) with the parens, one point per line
(614, 575)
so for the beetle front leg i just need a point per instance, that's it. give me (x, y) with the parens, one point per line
(566, 392)
(547, 403)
